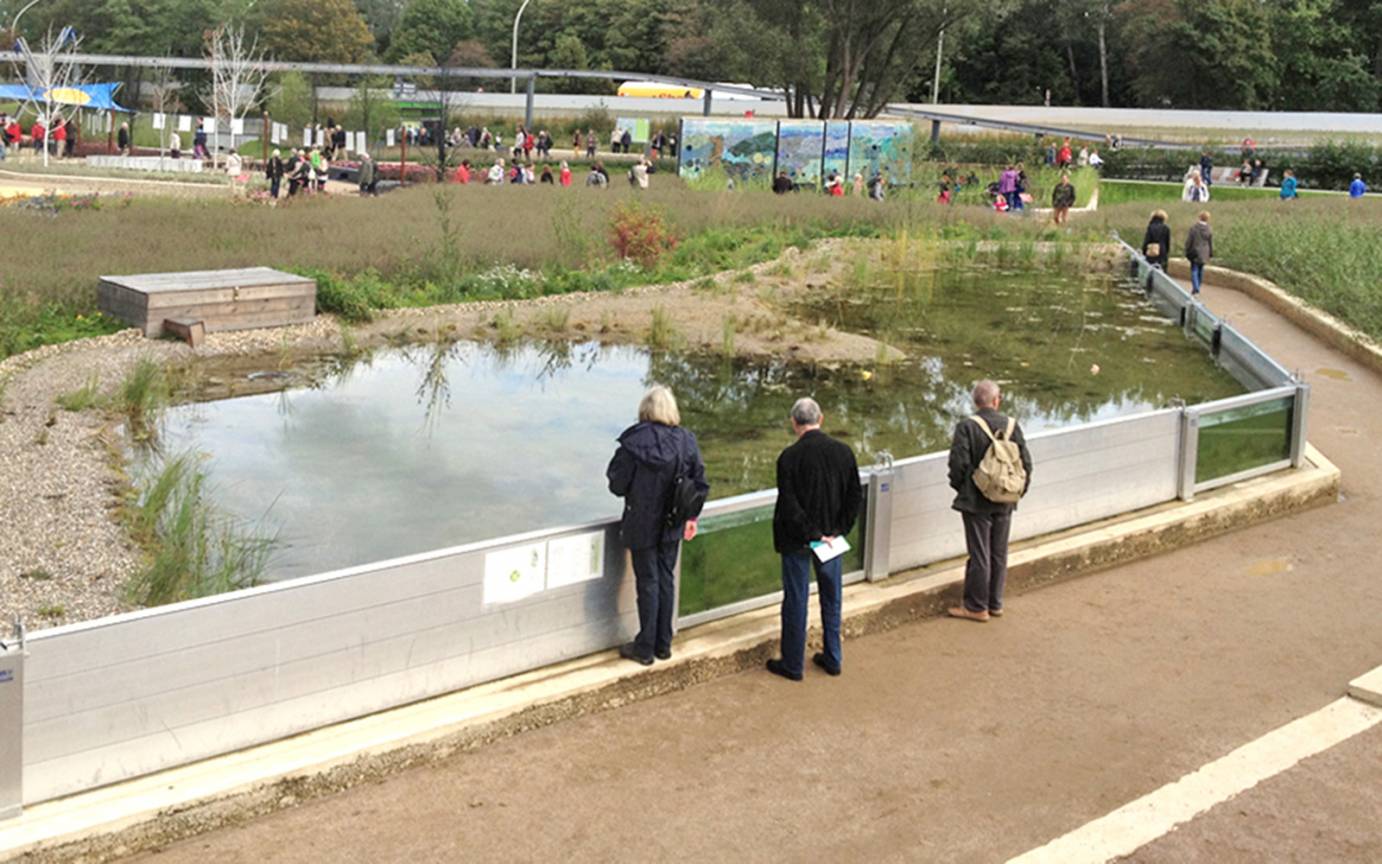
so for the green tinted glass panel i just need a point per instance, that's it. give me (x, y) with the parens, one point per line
(1243, 438)
(732, 559)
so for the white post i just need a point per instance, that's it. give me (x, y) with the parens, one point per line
(940, 48)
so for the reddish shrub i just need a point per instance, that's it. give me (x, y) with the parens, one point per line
(640, 234)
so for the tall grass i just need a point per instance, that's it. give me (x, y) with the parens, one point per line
(192, 549)
(142, 395)
(1325, 251)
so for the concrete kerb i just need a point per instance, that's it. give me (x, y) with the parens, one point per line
(148, 812)
(1335, 333)
(1368, 688)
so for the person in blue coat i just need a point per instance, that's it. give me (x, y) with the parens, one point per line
(1288, 186)
(1357, 189)
(653, 455)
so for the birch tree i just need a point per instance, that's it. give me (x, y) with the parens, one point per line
(237, 78)
(50, 67)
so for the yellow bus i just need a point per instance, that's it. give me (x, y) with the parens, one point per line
(656, 90)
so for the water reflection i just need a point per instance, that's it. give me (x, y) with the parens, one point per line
(434, 445)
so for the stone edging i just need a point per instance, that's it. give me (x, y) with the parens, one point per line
(1353, 342)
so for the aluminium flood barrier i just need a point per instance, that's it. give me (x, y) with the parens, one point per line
(102, 701)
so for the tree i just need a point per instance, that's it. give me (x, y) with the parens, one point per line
(1232, 64)
(433, 27)
(236, 77)
(1322, 66)
(291, 102)
(50, 65)
(314, 31)
(372, 108)
(382, 16)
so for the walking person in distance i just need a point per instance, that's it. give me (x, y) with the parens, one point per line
(1199, 248)
(1156, 243)
(990, 470)
(818, 498)
(658, 472)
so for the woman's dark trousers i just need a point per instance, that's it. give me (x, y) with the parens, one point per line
(655, 579)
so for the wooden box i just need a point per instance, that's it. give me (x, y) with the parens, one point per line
(220, 299)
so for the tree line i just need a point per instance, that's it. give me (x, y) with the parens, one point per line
(838, 58)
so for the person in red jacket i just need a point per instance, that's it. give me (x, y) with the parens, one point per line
(463, 172)
(565, 174)
(1064, 157)
(59, 138)
(37, 134)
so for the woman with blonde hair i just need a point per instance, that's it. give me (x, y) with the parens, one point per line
(658, 472)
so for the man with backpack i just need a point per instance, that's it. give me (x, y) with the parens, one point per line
(990, 471)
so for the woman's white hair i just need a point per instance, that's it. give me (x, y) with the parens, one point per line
(659, 406)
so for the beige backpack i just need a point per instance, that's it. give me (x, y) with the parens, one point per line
(1000, 475)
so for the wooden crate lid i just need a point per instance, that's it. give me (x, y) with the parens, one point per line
(203, 280)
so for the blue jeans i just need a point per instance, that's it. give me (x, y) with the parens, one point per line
(1014, 200)
(796, 597)
(1196, 276)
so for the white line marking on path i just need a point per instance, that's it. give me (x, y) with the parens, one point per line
(1154, 815)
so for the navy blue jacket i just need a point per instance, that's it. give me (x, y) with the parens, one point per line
(643, 471)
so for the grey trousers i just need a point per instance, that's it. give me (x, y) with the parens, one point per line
(986, 537)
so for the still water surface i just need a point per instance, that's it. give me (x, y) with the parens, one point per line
(431, 446)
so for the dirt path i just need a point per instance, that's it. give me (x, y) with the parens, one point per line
(943, 740)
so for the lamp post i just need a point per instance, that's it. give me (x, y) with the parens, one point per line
(14, 27)
(513, 80)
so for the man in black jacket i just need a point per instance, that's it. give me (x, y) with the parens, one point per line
(818, 498)
(986, 522)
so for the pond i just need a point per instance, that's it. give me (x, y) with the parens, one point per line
(420, 448)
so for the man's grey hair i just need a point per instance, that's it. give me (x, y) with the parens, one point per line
(986, 394)
(806, 412)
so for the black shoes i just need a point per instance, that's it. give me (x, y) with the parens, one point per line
(630, 652)
(819, 660)
(663, 655)
(776, 667)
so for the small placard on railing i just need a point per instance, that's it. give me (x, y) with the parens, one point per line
(572, 560)
(515, 574)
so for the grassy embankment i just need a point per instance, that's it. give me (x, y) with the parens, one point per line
(399, 250)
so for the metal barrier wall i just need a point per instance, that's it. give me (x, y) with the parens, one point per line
(124, 696)
(1070, 485)
(115, 698)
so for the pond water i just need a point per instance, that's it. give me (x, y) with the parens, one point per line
(431, 446)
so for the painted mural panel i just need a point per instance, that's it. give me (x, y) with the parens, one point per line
(716, 151)
(639, 128)
(836, 148)
(882, 146)
(800, 148)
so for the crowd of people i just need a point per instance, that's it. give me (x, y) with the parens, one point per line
(658, 471)
(61, 139)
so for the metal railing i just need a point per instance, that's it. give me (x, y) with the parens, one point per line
(102, 701)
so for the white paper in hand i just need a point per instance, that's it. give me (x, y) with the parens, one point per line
(831, 550)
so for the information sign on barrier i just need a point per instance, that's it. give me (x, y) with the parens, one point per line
(11, 728)
(515, 574)
(572, 560)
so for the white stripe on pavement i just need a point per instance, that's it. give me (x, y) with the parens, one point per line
(1139, 822)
